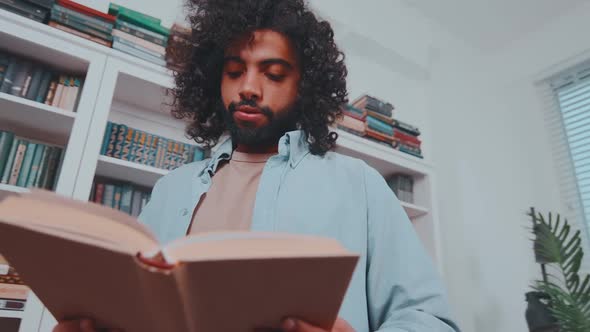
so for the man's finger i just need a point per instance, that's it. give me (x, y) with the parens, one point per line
(295, 325)
(83, 325)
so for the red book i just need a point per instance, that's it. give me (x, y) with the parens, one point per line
(405, 137)
(86, 10)
(98, 194)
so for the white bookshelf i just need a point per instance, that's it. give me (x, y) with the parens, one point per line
(124, 89)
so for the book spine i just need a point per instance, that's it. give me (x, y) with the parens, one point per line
(9, 75)
(133, 40)
(113, 140)
(115, 10)
(51, 92)
(142, 33)
(109, 195)
(117, 198)
(40, 166)
(18, 160)
(35, 83)
(106, 138)
(35, 165)
(136, 203)
(86, 10)
(81, 34)
(64, 93)
(135, 144)
(98, 193)
(126, 195)
(28, 80)
(43, 168)
(75, 16)
(151, 161)
(43, 86)
(128, 141)
(80, 26)
(22, 71)
(58, 91)
(145, 151)
(10, 161)
(139, 48)
(36, 13)
(52, 166)
(6, 139)
(139, 54)
(139, 148)
(120, 141)
(57, 172)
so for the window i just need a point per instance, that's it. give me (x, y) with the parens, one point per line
(571, 93)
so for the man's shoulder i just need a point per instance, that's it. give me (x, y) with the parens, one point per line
(184, 173)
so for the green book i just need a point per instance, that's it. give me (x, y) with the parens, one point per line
(142, 20)
(6, 139)
(52, 165)
(35, 165)
(10, 160)
(26, 165)
(115, 10)
(42, 172)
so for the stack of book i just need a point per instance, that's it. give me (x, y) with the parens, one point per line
(36, 81)
(27, 163)
(82, 21)
(382, 128)
(353, 120)
(125, 197)
(126, 143)
(139, 35)
(176, 51)
(37, 10)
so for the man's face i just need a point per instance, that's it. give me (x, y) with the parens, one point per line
(259, 86)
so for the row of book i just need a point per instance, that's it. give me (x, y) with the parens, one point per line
(126, 143)
(371, 117)
(36, 81)
(121, 28)
(125, 197)
(28, 163)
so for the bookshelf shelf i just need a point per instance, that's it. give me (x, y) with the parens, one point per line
(12, 314)
(383, 158)
(128, 171)
(6, 190)
(26, 115)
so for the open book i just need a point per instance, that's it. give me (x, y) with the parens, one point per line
(85, 260)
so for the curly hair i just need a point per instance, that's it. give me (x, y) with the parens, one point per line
(216, 23)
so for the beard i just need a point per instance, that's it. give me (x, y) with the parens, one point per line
(278, 123)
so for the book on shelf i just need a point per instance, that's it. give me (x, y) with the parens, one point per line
(380, 126)
(142, 33)
(140, 19)
(123, 142)
(39, 82)
(28, 163)
(264, 276)
(26, 9)
(81, 34)
(403, 186)
(370, 103)
(132, 200)
(88, 11)
(354, 124)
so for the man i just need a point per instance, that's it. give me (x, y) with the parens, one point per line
(269, 73)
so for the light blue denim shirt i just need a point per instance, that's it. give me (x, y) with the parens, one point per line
(394, 287)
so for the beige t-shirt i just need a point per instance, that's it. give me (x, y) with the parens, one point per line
(228, 204)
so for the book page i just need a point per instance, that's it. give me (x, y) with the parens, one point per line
(250, 245)
(56, 216)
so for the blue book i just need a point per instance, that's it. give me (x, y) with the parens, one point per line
(106, 138)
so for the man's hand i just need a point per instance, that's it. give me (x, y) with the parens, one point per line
(84, 325)
(295, 325)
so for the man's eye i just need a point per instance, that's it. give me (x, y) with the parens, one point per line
(234, 74)
(276, 78)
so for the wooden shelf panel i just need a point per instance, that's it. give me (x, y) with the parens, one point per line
(22, 116)
(128, 171)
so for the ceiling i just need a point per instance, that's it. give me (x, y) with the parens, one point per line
(489, 24)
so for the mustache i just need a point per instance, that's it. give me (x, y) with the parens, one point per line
(265, 110)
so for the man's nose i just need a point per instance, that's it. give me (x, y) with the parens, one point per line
(250, 89)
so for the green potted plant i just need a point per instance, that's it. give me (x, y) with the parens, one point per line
(562, 293)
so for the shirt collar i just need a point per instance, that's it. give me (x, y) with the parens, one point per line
(292, 145)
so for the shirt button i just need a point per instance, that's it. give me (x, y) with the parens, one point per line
(184, 212)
